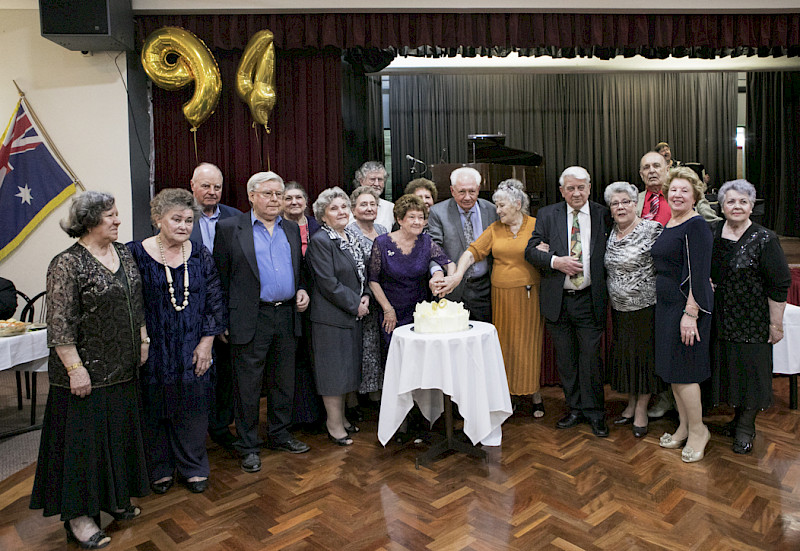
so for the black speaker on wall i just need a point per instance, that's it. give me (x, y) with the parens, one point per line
(88, 25)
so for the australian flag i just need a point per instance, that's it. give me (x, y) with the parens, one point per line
(32, 180)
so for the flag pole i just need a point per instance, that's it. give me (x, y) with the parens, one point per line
(55, 150)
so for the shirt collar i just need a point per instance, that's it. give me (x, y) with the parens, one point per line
(253, 219)
(213, 216)
(584, 209)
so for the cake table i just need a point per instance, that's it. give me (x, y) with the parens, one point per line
(430, 369)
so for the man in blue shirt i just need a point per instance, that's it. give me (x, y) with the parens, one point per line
(260, 260)
(206, 185)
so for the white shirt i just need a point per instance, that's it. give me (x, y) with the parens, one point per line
(585, 223)
(385, 214)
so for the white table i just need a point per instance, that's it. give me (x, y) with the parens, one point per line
(26, 352)
(786, 354)
(467, 366)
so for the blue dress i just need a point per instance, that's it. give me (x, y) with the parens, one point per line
(175, 401)
(676, 362)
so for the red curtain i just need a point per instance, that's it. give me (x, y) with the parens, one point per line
(306, 128)
(520, 30)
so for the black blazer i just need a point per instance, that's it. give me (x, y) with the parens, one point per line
(336, 290)
(224, 212)
(235, 255)
(551, 228)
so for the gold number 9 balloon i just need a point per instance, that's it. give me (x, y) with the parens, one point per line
(255, 77)
(173, 57)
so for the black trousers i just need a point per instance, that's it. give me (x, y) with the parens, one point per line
(477, 297)
(269, 355)
(576, 340)
(220, 415)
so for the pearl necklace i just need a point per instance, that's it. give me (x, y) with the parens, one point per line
(169, 277)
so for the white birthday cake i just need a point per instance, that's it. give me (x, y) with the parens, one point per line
(440, 317)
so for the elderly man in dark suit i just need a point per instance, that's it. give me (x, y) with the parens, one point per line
(206, 185)
(573, 293)
(447, 225)
(260, 260)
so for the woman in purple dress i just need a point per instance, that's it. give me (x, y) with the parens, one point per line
(399, 265)
(184, 311)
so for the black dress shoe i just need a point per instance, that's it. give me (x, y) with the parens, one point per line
(293, 445)
(251, 463)
(743, 443)
(639, 432)
(223, 439)
(162, 487)
(571, 419)
(196, 487)
(599, 427)
(128, 513)
(622, 420)
(97, 541)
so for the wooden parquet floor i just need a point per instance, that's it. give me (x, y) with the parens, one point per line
(543, 489)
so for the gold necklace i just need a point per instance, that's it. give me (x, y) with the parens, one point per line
(169, 277)
(626, 231)
(100, 260)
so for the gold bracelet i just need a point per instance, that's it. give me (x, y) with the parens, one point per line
(73, 367)
(776, 327)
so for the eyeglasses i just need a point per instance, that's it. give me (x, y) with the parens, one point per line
(625, 203)
(268, 194)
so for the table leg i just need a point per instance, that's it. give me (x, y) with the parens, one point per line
(19, 389)
(793, 391)
(33, 398)
(449, 442)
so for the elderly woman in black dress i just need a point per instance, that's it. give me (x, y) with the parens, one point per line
(339, 300)
(752, 280)
(91, 457)
(631, 280)
(684, 301)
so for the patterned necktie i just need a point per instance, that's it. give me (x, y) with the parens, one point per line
(653, 207)
(575, 248)
(469, 237)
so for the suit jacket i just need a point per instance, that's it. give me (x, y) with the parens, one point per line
(8, 298)
(336, 292)
(235, 255)
(444, 227)
(224, 212)
(551, 228)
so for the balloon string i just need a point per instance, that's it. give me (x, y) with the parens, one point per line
(196, 157)
(266, 129)
(258, 141)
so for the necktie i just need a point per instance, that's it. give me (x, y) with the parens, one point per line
(653, 207)
(575, 248)
(469, 237)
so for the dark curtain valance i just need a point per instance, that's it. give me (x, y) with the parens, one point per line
(759, 33)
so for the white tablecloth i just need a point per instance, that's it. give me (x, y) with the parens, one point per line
(26, 352)
(468, 366)
(786, 354)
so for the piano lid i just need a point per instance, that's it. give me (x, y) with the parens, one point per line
(490, 148)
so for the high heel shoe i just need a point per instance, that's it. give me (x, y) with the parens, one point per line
(128, 513)
(352, 429)
(97, 541)
(689, 455)
(639, 432)
(666, 441)
(344, 441)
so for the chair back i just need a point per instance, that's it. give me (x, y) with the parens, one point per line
(36, 308)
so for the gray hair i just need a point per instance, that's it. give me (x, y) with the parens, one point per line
(577, 172)
(171, 199)
(261, 177)
(295, 185)
(326, 198)
(205, 165)
(465, 171)
(366, 168)
(620, 187)
(86, 212)
(362, 190)
(741, 186)
(514, 191)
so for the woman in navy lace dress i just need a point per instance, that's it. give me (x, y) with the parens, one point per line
(399, 265)
(184, 311)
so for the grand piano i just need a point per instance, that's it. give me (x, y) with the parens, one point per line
(488, 154)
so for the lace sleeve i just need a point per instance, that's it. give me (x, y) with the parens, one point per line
(63, 302)
(438, 255)
(375, 262)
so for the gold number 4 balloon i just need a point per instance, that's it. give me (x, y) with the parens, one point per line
(173, 57)
(255, 77)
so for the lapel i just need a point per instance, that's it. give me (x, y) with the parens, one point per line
(244, 235)
(486, 214)
(561, 238)
(292, 232)
(455, 221)
(596, 215)
(349, 257)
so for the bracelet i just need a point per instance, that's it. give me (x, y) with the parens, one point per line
(695, 316)
(146, 340)
(73, 367)
(776, 327)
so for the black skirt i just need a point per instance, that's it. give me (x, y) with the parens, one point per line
(742, 374)
(633, 369)
(91, 456)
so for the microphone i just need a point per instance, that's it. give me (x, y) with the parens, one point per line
(410, 158)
